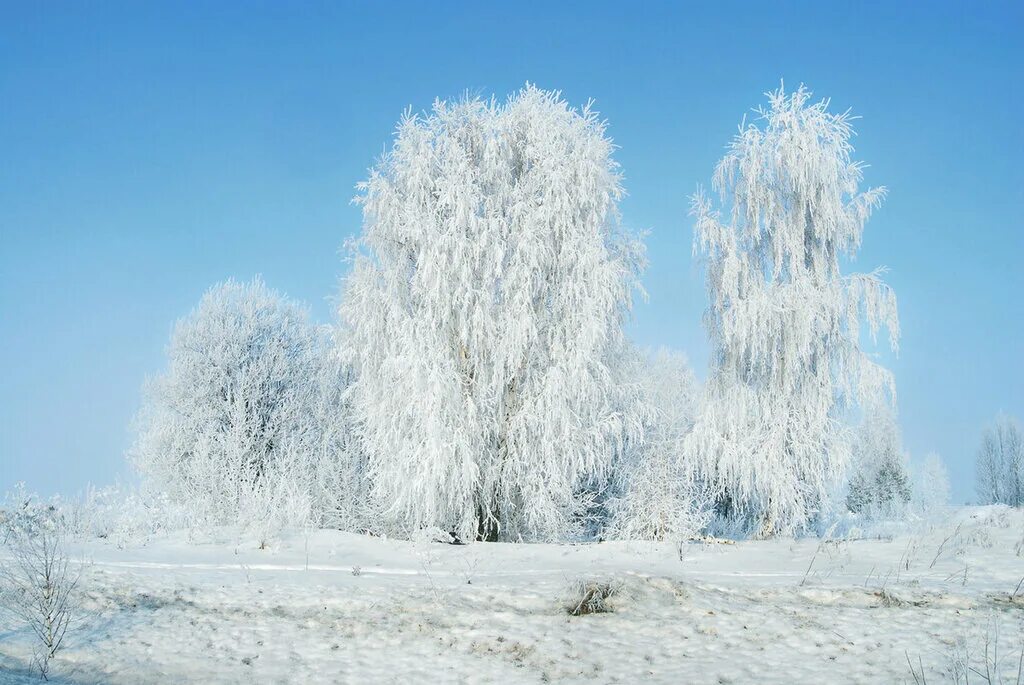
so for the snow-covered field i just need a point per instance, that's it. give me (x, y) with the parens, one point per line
(335, 607)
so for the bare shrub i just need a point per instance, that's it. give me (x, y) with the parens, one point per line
(38, 586)
(974, 537)
(987, 658)
(592, 597)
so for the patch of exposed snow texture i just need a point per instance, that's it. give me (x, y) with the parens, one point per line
(332, 607)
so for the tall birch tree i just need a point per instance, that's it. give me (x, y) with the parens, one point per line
(784, 321)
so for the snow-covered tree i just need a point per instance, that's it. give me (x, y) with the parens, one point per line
(784, 321)
(483, 314)
(879, 482)
(325, 456)
(931, 490)
(244, 425)
(654, 494)
(1001, 463)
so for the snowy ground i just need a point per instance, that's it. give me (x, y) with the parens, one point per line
(335, 607)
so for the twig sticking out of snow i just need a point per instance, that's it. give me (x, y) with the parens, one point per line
(949, 537)
(919, 678)
(1013, 594)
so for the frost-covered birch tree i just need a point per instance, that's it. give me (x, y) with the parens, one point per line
(784, 321)
(483, 316)
(931, 489)
(1001, 463)
(246, 423)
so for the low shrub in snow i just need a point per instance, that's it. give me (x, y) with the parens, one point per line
(122, 514)
(592, 597)
(982, 655)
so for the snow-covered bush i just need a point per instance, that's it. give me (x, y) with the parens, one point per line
(483, 316)
(592, 597)
(119, 514)
(24, 514)
(879, 482)
(1001, 464)
(655, 496)
(246, 425)
(783, 319)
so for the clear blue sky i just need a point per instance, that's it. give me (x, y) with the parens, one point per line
(147, 151)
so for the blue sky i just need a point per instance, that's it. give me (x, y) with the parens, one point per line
(148, 151)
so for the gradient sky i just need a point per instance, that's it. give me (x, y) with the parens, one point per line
(148, 151)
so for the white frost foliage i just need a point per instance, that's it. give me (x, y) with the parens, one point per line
(785, 323)
(483, 313)
(1001, 463)
(931, 489)
(656, 496)
(878, 478)
(23, 513)
(246, 424)
(116, 513)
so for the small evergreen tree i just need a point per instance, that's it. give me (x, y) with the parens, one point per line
(879, 481)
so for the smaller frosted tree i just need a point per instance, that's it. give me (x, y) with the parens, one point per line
(655, 495)
(1001, 463)
(244, 424)
(784, 321)
(931, 491)
(879, 484)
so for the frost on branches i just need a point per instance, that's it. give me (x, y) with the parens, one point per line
(483, 317)
(1001, 463)
(879, 482)
(655, 495)
(783, 320)
(246, 424)
(931, 489)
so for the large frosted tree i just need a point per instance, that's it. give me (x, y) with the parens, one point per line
(784, 321)
(483, 316)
